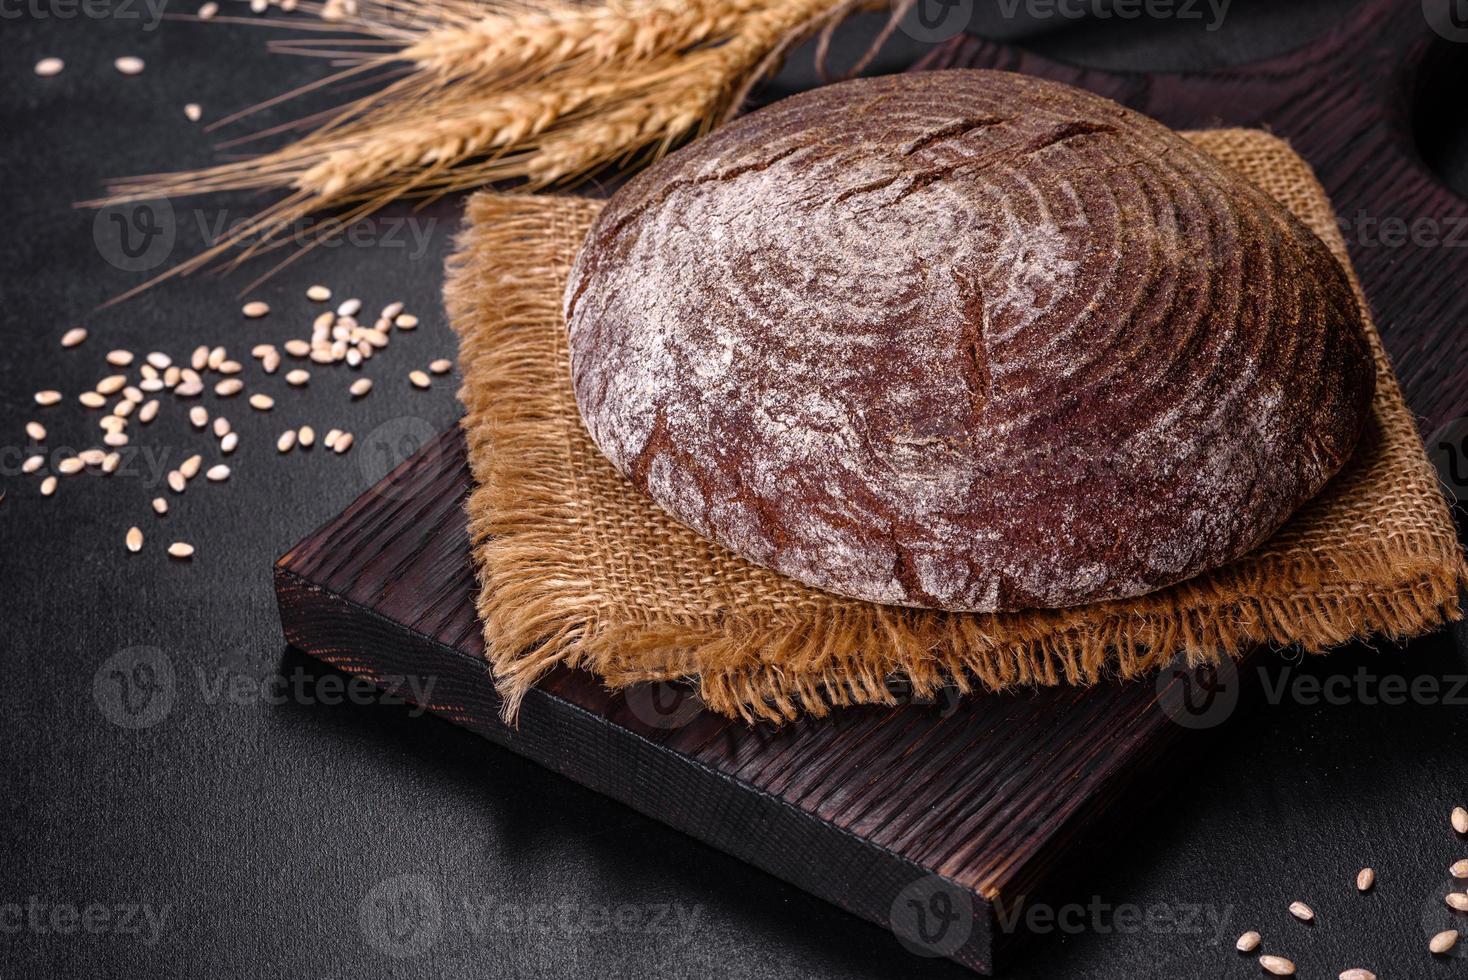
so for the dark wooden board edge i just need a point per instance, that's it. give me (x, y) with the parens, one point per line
(726, 813)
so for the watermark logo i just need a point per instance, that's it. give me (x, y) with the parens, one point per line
(935, 21)
(386, 448)
(663, 705)
(932, 916)
(1105, 918)
(1448, 450)
(135, 237)
(1201, 696)
(402, 916)
(1448, 18)
(1439, 917)
(135, 687)
(150, 12)
(1366, 230)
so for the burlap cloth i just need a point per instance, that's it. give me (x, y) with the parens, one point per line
(577, 568)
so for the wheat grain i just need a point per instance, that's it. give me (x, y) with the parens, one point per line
(74, 337)
(48, 67)
(134, 539)
(36, 431)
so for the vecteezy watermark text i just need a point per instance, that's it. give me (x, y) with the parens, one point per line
(150, 12)
(47, 917)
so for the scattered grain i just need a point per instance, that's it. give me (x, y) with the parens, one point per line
(70, 466)
(1459, 869)
(33, 463)
(306, 436)
(36, 431)
(255, 309)
(111, 462)
(297, 348)
(199, 416)
(74, 337)
(1365, 878)
(229, 442)
(48, 397)
(217, 473)
(441, 366)
(190, 466)
(112, 384)
(262, 403)
(49, 67)
(229, 387)
(343, 443)
(181, 549)
(1443, 941)
(1457, 901)
(160, 506)
(176, 481)
(419, 379)
(221, 427)
(349, 307)
(208, 10)
(391, 311)
(298, 377)
(286, 442)
(48, 486)
(1356, 973)
(405, 321)
(1277, 965)
(1460, 820)
(91, 457)
(1248, 942)
(331, 436)
(91, 399)
(129, 65)
(318, 294)
(160, 360)
(193, 112)
(134, 539)
(115, 439)
(360, 387)
(189, 389)
(112, 423)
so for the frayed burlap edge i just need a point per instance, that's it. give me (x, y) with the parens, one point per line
(809, 652)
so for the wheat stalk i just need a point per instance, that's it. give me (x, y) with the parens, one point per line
(543, 94)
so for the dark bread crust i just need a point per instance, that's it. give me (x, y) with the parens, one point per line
(965, 340)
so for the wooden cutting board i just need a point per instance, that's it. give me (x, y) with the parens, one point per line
(939, 821)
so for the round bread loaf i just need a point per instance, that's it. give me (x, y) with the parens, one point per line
(965, 340)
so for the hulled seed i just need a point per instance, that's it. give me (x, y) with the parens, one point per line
(229, 387)
(419, 379)
(160, 506)
(189, 389)
(255, 309)
(92, 457)
(331, 436)
(129, 65)
(262, 403)
(48, 486)
(229, 442)
(1277, 965)
(1459, 869)
(36, 431)
(298, 377)
(390, 311)
(48, 67)
(297, 348)
(318, 294)
(69, 466)
(405, 321)
(48, 397)
(349, 307)
(115, 439)
(132, 393)
(148, 412)
(119, 358)
(112, 384)
(1443, 941)
(1460, 820)
(286, 442)
(1356, 973)
(343, 442)
(306, 436)
(160, 360)
(73, 337)
(360, 387)
(91, 399)
(1365, 878)
(199, 416)
(176, 481)
(112, 423)
(221, 427)
(124, 408)
(270, 362)
(216, 357)
(230, 367)
(208, 10)
(200, 358)
(134, 539)
(111, 462)
(441, 366)
(193, 112)
(151, 384)
(33, 463)
(181, 549)
(217, 473)
(1457, 901)
(172, 376)
(190, 467)
(1248, 942)
(1302, 911)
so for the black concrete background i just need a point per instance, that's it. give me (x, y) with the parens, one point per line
(266, 819)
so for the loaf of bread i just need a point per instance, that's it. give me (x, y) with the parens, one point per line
(965, 340)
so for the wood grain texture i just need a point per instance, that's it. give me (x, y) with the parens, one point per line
(874, 807)
(978, 799)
